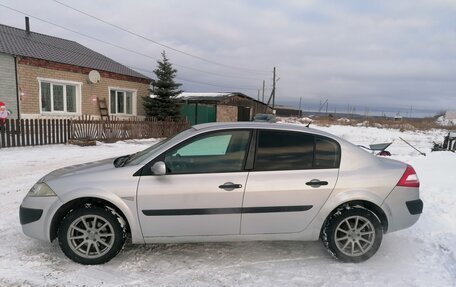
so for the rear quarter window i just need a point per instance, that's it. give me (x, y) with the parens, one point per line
(327, 153)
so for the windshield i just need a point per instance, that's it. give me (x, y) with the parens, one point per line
(140, 156)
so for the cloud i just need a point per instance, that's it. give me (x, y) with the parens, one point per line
(370, 53)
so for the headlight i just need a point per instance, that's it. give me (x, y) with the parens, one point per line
(41, 189)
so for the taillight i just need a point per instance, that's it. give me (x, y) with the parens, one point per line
(409, 178)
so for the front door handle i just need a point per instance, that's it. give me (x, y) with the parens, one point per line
(230, 186)
(316, 183)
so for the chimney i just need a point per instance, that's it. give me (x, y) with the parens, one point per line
(27, 25)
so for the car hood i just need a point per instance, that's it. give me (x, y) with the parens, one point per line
(78, 169)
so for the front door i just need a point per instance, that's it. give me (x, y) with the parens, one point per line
(202, 192)
(293, 175)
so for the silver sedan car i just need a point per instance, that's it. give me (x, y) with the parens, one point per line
(227, 182)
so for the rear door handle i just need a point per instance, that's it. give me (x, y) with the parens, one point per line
(316, 183)
(230, 186)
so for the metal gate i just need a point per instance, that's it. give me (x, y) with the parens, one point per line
(199, 113)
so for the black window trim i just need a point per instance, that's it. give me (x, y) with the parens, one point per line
(249, 160)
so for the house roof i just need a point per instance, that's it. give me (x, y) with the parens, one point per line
(213, 97)
(281, 107)
(16, 41)
(204, 96)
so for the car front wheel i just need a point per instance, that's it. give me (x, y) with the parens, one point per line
(91, 235)
(353, 235)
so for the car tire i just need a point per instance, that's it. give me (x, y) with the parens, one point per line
(353, 235)
(91, 235)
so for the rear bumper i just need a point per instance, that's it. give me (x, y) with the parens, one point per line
(403, 208)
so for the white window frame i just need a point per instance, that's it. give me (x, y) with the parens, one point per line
(63, 83)
(133, 104)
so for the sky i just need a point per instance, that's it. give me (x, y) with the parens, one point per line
(353, 53)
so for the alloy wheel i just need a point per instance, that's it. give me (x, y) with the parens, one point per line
(90, 236)
(355, 235)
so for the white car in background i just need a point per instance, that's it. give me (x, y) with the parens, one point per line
(227, 182)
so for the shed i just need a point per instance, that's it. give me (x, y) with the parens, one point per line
(219, 107)
(450, 115)
(284, 111)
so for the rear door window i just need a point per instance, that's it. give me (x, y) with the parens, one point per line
(285, 150)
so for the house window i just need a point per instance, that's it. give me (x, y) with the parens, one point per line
(121, 101)
(59, 97)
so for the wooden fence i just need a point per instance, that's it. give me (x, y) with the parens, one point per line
(32, 132)
(118, 129)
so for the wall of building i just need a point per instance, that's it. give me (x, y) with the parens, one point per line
(8, 92)
(255, 106)
(226, 113)
(29, 70)
(288, 112)
(450, 115)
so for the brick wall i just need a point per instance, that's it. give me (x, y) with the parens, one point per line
(29, 70)
(226, 113)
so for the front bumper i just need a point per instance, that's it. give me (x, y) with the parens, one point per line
(35, 215)
(403, 208)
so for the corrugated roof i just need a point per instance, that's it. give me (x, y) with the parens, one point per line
(203, 96)
(16, 41)
(212, 97)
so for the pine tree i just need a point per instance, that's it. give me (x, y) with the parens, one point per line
(163, 105)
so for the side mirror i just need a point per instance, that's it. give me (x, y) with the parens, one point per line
(159, 168)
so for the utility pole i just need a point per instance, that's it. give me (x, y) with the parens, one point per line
(262, 99)
(258, 97)
(322, 105)
(273, 88)
(272, 96)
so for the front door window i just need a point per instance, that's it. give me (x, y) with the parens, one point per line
(216, 152)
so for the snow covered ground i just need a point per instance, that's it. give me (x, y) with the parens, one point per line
(423, 255)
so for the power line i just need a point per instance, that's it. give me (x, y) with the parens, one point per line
(118, 46)
(134, 68)
(201, 83)
(158, 43)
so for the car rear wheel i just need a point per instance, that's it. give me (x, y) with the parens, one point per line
(353, 235)
(91, 235)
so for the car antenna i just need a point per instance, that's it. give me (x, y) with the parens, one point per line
(308, 125)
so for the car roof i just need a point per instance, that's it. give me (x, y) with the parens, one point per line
(260, 125)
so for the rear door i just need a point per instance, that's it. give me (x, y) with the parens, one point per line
(293, 175)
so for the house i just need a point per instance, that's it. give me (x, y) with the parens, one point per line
(219, 107)
(42, 76)
(450, 115)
